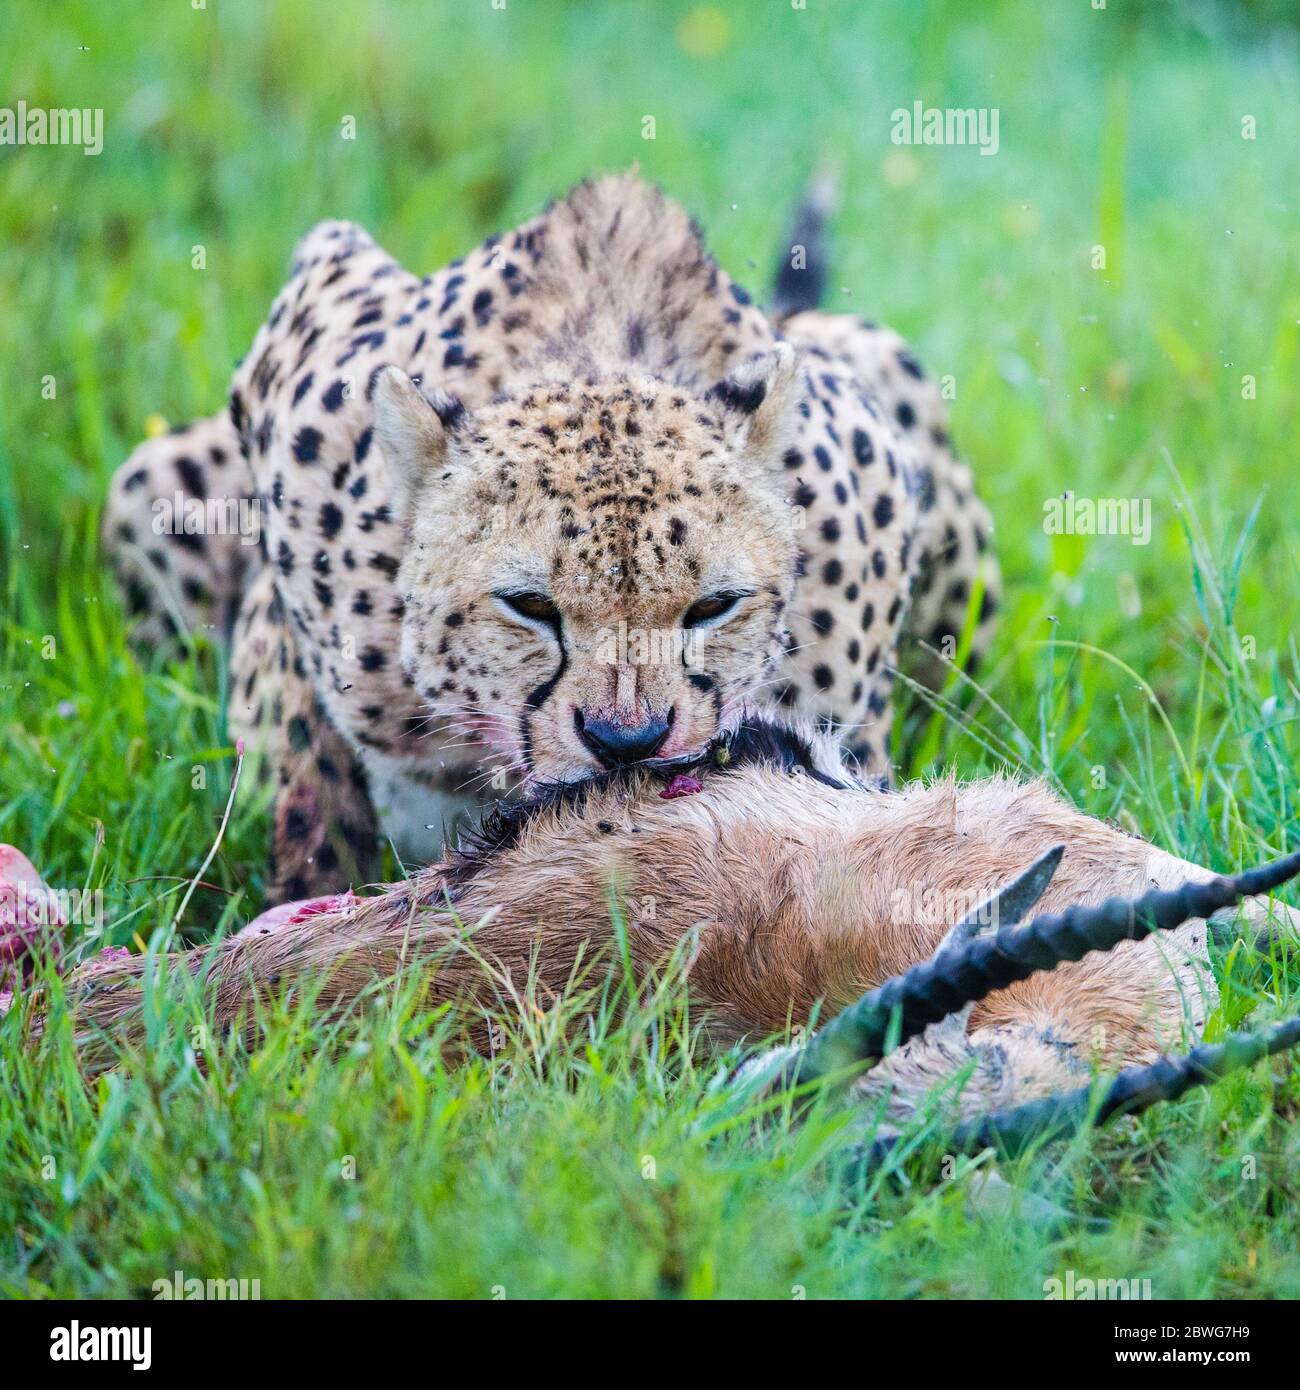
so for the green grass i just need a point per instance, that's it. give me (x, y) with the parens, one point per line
(1159, 684)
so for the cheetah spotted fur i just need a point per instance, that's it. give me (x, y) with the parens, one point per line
(574, 496)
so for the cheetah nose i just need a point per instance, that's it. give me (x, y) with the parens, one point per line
(621, 745)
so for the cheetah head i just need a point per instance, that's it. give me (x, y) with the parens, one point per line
(597, 573)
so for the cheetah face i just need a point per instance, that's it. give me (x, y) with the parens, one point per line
(598, 574)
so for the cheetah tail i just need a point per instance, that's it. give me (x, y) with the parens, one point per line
(800, 281)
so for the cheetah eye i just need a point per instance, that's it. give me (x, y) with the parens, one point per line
(708, 610)
(532, 605)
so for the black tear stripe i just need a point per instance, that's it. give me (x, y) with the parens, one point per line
(539, 697)
(758, 742)
(706, 685)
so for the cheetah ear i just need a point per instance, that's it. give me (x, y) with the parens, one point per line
(413, 427)
(762, 400)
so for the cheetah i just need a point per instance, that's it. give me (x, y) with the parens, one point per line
(568, 503)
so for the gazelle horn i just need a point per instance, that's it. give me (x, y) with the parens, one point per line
(966, 972)
(1013, 1130)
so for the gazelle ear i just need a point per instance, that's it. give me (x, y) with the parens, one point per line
(762, 399)
(413, 428)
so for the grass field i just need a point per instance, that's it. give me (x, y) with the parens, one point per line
(1156, 683)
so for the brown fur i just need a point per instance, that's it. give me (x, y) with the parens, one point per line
(790, 896)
